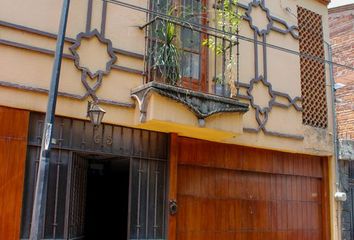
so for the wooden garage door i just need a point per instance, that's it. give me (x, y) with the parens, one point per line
(232, 192)
(13, 142)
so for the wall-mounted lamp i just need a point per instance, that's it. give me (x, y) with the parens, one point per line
(95, 113)
(340, 196)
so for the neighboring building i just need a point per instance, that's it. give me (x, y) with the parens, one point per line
(341, 22)
(193, 145)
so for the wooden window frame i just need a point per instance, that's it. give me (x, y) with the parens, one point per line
(196, 84)
(200, 84)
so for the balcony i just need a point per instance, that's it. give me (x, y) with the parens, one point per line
(187, 65)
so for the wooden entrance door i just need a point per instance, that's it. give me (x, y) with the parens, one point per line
(232, 192)
(13, 142)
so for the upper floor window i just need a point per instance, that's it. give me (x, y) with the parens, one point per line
(176, 50)
(193, 71)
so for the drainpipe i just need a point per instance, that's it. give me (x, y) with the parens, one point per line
(40, 194)
(339, 196)
(334, 114)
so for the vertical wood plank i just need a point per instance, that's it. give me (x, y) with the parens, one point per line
(172, 194)
(325, 200)
(13, 145)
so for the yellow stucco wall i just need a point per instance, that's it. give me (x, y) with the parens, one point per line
(33, 69)
(23, 70)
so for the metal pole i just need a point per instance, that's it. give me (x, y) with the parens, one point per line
(334, 114)
(40, 194)
(335, 135)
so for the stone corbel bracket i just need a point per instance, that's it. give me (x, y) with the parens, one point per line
(201, 104)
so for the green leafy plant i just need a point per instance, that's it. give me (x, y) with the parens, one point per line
(167, 57)
(227, 19)
(220, 87)
(218, 79)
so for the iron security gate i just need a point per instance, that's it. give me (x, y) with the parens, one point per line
(76, 194)
(65, 215)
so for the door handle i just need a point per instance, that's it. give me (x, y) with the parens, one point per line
(173, 207)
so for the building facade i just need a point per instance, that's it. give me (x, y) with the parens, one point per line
(213, 130)
(341, 24)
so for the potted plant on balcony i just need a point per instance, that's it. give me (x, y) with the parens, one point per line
(227, 18)
(167, 56)
(167, 52)
(221, 88)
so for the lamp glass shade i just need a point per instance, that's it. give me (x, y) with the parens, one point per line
(96, 114)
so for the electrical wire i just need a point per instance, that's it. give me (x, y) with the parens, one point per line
(225, 33)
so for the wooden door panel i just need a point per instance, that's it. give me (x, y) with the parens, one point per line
(208, 154)
(13, 145)
(251, 211)
(258, 194)
(172, 194)
(197, 236)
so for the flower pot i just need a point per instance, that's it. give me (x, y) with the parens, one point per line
(222, 90)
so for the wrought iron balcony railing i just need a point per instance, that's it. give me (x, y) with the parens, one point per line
(189, 56)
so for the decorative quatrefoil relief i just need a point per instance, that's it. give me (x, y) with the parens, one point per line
(94, 56)
(261, 94)
(259, 16)
(262, 99)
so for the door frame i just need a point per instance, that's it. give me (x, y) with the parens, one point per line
(172, 186)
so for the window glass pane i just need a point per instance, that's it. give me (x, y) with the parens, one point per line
(160, 5)
(190, 65)
(190, 39)
(192, 10)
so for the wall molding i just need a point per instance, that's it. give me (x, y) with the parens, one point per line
(67, 39)
(63, 94)
(67, 56)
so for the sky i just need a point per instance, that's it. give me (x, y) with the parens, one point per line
(337, 3)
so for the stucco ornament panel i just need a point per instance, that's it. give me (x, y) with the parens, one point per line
(262, 96)
(262, 21)
(259, 18)
(94, 57)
